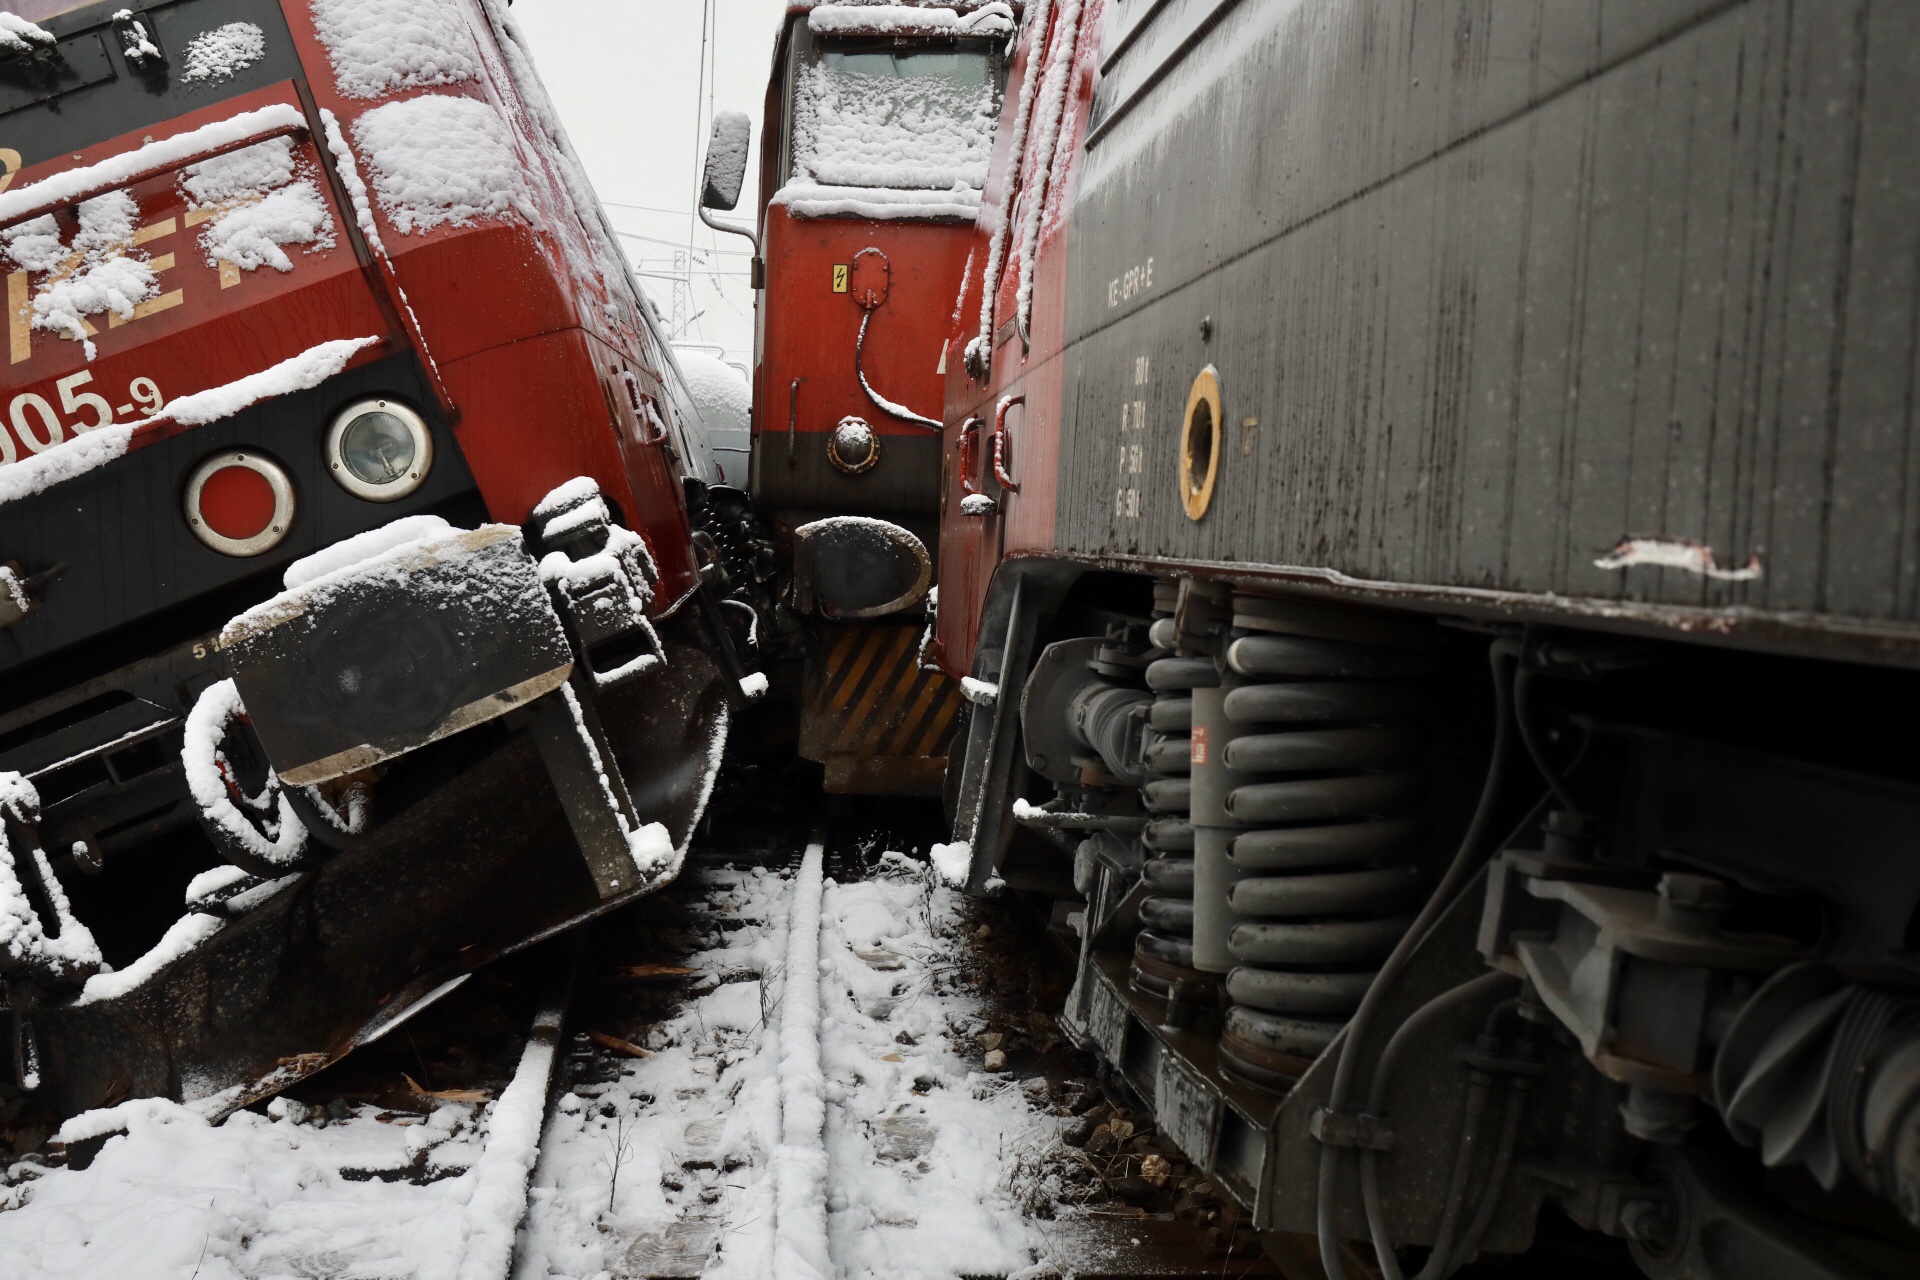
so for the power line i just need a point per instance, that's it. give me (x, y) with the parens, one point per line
(645, 208)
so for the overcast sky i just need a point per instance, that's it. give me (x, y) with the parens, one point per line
(625, 75)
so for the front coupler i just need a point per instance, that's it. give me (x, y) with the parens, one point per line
(354, 894)
(356, 667)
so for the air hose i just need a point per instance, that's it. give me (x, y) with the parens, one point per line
(1457, 874)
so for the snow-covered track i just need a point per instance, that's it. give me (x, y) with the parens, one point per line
(770, 1072)
(373, 1174)
(499, 1201)
(810, 1099)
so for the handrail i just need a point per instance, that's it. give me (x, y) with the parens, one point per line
(209, 141)
(968, 449)
(999, 441)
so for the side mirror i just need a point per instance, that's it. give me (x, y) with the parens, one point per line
(856, 567)
(726, 166)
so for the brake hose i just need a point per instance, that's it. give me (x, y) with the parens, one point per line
(1437, 1266)
(1443, 895)
(1376, 1102)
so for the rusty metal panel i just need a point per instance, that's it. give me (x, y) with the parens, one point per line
(878, 720)
(1491, 289)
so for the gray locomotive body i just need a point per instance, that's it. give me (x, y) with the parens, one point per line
(1458, 612)
(1496, 289)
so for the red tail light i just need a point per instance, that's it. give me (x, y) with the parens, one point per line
(239, 503)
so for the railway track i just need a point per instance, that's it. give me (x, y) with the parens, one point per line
(798, 1061)
(849, 1071)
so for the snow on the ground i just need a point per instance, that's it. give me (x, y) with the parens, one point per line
(290, 1194)
(613, 1177)
(927, 1157)
(925, 1152)
(925, 1149)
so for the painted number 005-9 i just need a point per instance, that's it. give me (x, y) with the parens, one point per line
(39, 426)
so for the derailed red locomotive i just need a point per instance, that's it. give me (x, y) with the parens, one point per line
(355, 624)
(1427, 493)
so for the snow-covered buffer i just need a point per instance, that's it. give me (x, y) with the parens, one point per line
(280, 839)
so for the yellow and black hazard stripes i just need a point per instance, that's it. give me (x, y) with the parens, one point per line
(872, 714)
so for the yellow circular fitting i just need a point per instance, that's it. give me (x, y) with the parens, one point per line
(1200, 435)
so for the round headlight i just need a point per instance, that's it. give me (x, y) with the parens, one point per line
(240, 503)
(379, 450)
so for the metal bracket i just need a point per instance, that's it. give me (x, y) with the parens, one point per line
(580, 761)
(1353, 1129)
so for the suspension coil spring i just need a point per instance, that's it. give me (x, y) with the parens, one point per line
(1163, 950)
(1326, 776)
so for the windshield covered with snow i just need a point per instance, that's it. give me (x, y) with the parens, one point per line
(877, 113)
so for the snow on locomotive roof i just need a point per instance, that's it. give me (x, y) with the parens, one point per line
(439, 159)
(379, 46)
(224, 51)
(991, 19)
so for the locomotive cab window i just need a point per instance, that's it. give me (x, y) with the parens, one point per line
(883, 113)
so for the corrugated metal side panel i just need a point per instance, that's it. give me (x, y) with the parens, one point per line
(1495, 286)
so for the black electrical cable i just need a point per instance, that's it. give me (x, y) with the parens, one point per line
(1376, 1104)
(1456, 877)
(1496, 1188)
(1523, 715)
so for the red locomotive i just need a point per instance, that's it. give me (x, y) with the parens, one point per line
(345, 487)
(879, 127)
